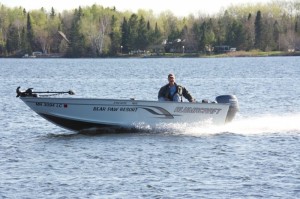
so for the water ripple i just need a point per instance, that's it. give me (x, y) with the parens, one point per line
(256, 156)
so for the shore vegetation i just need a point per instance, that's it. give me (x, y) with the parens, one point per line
(263, 29)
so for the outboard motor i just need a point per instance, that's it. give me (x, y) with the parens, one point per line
(233, 108)
(27, 93)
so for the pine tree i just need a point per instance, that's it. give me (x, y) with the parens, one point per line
(142, 40)
(133, 32)
(12, 43)
(157, 35)
(297, 25)
(24, 43)
(249, 33)
(29, 35)
(77, 47)
(207, 36)
(150, 33)
(52, 14)
(115, 37)
(276, 34)
(258, 31)
(125, 37)
(236, 36)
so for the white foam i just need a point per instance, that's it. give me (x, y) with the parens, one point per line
(264, 124)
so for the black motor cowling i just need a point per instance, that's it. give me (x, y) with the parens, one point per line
(234, 105)
(27, 93)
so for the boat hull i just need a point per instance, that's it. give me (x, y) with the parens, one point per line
(79, 114)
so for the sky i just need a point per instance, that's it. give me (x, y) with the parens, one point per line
(178, 8)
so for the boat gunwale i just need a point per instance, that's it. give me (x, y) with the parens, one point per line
(120, 100)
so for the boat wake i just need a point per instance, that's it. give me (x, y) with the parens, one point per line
(264, 124)
(260, 125)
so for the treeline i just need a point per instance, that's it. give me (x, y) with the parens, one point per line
(98, 31)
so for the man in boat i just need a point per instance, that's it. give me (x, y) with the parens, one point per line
(173, 91)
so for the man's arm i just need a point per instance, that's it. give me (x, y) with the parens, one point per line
(162, 92)
(187, 95)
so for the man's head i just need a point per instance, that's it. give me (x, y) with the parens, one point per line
(171, 78)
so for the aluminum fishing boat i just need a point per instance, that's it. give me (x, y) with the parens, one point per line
(79, 114)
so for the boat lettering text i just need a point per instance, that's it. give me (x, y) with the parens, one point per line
(197, 110)
(113, 109)
(97, 108)
(48, 104)
(128, 109)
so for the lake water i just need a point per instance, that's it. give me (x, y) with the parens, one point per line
(255, 156)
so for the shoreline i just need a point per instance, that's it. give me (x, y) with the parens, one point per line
(177, 55)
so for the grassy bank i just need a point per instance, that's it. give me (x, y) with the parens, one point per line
(254, 53)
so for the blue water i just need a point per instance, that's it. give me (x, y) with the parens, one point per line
(255, 156)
